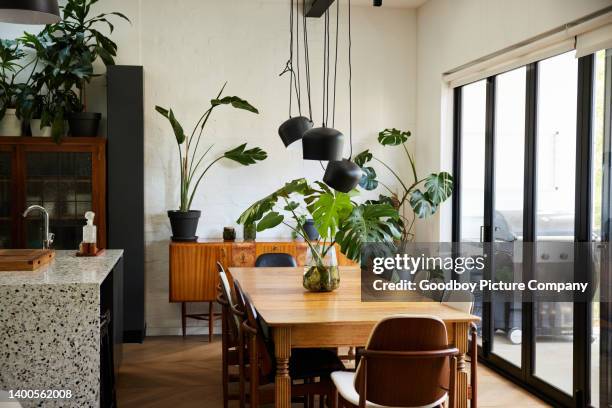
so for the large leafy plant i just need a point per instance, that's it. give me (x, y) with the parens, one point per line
(11, 56)
(65, 53)
(337, 217)
(191, 157)
(424, 195)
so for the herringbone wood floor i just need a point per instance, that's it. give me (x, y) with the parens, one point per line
(172, 372)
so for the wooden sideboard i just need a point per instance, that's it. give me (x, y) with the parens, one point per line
(193, 274)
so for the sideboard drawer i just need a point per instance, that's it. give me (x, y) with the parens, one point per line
(275, 247)
(243, 254)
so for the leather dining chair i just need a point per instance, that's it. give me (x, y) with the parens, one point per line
(305, 365)
(406, 363)
(275, 260)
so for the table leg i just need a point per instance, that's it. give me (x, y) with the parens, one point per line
(282, 351)
(461, 342)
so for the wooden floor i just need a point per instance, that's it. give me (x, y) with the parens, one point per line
(181, 373)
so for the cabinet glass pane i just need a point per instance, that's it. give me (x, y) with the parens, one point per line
(61, 182)
(5, 200)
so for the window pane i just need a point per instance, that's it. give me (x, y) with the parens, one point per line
(473, 104)
(508, 215)
(556, 158)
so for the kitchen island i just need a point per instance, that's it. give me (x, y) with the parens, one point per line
(58, 328)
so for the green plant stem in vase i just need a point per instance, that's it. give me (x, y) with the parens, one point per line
(249, 232)
(321, 273)
(337, 219)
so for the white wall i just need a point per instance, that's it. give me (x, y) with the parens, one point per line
(189, 48)
(451, 33)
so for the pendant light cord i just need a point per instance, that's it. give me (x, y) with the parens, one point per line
(336, 63)
(350, 82)
(293, 81)
(306, 58)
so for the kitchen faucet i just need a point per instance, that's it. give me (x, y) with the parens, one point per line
(48, 236)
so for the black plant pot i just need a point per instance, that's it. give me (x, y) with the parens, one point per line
(311, 231)
(184, 224)
(84, 123)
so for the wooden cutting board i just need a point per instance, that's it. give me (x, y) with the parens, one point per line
(24, 259)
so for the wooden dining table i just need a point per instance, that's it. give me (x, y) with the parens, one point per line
(300, 319)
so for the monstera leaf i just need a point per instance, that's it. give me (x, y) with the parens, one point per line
(259, 209)
(421, 204)
(392, 137)
(439, 187)
(362, 158)
(243, 156)
(367, 223)
(329, 210)
(368, 179)
(236, 102)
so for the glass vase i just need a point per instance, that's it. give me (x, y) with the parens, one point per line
(321, 272)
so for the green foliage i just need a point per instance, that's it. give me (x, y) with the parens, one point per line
(191, 160)
(63, 57)
(246, 156)
(10, 56)
(368, 223)
(392, 137)
(424, 195)
(236, 102)
(336, 217)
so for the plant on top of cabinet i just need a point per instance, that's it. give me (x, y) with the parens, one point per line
(425, 195)
(337, 218)
(67, 51)
(184, 221)
(10, 56)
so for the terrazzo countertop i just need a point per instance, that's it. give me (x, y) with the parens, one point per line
(66, 269)
(50, 329)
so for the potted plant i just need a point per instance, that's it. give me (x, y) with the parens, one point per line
(337, 218)
(10, 55)
(69, 50)
(184, 221)
(49, 92)
(424, 195)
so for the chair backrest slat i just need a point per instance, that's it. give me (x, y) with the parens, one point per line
(406, 362)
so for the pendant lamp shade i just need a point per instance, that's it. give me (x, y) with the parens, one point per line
(342, 175)
(293, 129)
(323, 144)
(29, 11)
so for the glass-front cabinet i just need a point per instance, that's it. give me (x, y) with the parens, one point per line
(68, 179)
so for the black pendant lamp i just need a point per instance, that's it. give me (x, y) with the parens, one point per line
(324, 143)
(342, 174)
(294, 128)
(29, 11)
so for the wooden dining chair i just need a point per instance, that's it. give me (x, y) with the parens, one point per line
(231, 346)
(406, 363)
(310, 369)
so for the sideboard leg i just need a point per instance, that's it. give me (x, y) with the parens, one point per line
(184, 318)
(211, 321)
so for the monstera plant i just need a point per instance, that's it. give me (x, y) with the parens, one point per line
(184, 221)
(337, 217)
(424, 195)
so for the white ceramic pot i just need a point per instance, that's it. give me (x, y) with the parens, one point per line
(37, 131)
(10, 125)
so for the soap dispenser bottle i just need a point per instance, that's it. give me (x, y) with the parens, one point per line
(88, 245)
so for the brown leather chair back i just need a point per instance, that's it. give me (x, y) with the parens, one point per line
(406, 362)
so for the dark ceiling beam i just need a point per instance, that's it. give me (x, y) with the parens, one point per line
(317, 7)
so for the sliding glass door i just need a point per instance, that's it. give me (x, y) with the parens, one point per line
(532, 164)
